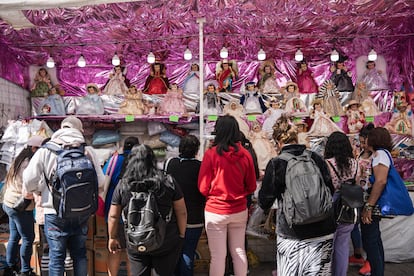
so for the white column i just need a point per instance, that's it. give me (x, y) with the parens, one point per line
(201, 22)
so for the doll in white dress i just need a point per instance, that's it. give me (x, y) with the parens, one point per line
(116, 84)
(401, 120)
(263, 147)
(294, 104)
(273, 113)
(322, 125)
(330, 95)
(191, 87)
(133, 103)
(252, 100)
(356, 118)
(375, 78)
(301, 127)
(362, 96)
(267, 81)
(91, 103)
(235, 109)
(211, 101)
(173, 102)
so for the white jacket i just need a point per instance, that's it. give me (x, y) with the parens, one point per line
(43, 163)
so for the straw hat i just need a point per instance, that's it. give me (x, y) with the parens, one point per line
(351, 103)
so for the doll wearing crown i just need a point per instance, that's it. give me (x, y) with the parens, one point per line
(267, 81)
(322, 125)
(173, 102)
(356, 118)
(264, 149)
(133, 102)
(330, 95)
(273, 113)
(42, 84)
(91, 103)
(116, 84)
(157, 82)
(362, 96)
(235, 109)
(294, 104)
(226, 74)
(252, 100)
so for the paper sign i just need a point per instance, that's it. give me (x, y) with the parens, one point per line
(174, 118)
(212, 117)
(251, 118)
(129, 118)
(369, 119)
(336, 119)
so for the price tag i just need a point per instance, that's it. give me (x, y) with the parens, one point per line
(336, 119)
(212, 117)
(129, 118)
(369, 119)
(251, 118)
(174, 118)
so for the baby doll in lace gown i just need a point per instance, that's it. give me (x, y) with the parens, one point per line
(91, 103)
(252, 100)
(133, 103)
(374, 78)
(294, 105)
(273, 113)
(235, 109)
(267, 81)
(53, 104)
(116, 84)
(173, 102)
(322, 125)
(362, 96)
(263, 147)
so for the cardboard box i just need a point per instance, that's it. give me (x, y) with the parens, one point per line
(101, 227)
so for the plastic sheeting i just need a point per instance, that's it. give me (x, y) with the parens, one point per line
(168, 27)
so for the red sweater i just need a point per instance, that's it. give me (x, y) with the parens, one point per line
(225, 180)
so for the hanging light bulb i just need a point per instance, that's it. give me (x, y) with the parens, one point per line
(50, 63)
(298, 55)
(151, 57)
(372, 55)
(224, 53)
(261, 55)
(187, 54)
(334, 55)
(115, 60)
(81, 61)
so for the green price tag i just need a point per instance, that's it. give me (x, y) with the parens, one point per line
(297, 119)
(212, 117)
(251, 118)
(336, 119)
(174, 118)
(129, 118)
(369, 119)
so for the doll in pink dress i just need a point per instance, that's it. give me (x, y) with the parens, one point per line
(133, 103)
(173, 102)
(322, 125)
(356, 118)
(42, 84)
(294, 104)
(306, 83)
(116, 84)
(235, 109)
(263, 147)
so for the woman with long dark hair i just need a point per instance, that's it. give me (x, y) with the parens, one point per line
(21, 220)
(141, 174)
(342, 166)
(226, 177)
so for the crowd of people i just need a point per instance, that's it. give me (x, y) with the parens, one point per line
(212, 194)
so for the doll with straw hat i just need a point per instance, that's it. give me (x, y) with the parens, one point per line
(356, 118)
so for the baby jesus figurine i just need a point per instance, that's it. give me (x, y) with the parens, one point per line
(356, 118)
(133, 103)
(173, 102)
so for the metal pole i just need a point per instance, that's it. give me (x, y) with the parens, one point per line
(201, 22)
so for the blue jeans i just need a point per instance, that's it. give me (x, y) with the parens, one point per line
(356, 237)
(340, 253)
(185, 265)
(65, 234)
(21, 226)
(372, 243)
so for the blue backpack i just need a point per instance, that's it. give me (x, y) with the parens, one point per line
(74, 184)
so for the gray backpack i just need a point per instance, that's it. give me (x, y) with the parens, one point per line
(306, 199)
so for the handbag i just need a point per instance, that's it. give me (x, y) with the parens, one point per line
(394, 200)
(22, 204)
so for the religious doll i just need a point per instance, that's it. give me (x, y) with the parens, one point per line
(400, 122)
(173, 102)
(212, 102)
(235, 109)
(356, 118)
(362, 96)
(341, 77)
(306, 82)
(273, 113)
(322, 125)
(191, 87)
(157, 82)
(374, 78)
(294, 105)
(53, 104)
(91, 103)
(133, 103)
(267, 81)
(116, 84)
(263, 147)
(42, 83)
(301, 127)
(330, 95)
(226, 74)
(252, 100)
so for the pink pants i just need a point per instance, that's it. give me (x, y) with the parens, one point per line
(218, 228)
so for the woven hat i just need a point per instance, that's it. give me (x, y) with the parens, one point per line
(352, 102)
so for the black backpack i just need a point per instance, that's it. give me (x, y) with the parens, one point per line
(74, 183)
(145, 227)
(351, 199)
